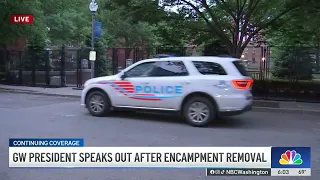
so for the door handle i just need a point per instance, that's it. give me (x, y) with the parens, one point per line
(144, 83)
(185, 83)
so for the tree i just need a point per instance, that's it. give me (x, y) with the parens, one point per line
(214, 48)
(68, 21)
(296, 29)
(296, 43)
(233, 20)
(102, 67)
(131, 22)
(57, 21)
(292, 63)
(173, 30)
(12, 32)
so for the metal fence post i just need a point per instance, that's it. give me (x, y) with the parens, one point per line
(183, 51)
(318, 58)
(114, 60)
(261, 64)
(47, 66)
(78, 65)
(33, 67)
(7, 65)
(80, 73)
(20, 67)
(268, 58)
(62, 67)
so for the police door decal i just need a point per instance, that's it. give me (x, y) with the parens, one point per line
(149, 93)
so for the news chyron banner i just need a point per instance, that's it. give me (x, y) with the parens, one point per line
(285, 161)
(216, 161)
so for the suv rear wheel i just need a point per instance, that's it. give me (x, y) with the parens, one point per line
(199, 111)
(98, 104)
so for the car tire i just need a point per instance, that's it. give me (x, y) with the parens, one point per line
(98, 104)
(190, 112)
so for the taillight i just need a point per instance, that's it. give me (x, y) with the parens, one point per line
(242, 83)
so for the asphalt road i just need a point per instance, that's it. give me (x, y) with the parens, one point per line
(32, 116)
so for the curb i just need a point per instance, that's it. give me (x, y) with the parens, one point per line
(255, 108)
(37, 93)
(285, 110)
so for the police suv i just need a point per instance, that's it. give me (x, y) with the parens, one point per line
(199, 88)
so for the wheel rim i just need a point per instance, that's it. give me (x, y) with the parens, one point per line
(97, 103)
(198, 112)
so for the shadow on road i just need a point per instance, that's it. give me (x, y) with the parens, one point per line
(222, 122)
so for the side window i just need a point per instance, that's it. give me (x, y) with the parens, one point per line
(169, 68)
(209, 68)
(141, 70)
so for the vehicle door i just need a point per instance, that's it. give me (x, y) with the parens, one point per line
(170, 83)
(130, 87)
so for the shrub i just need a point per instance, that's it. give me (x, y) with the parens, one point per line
(292, 64)
(101, 67)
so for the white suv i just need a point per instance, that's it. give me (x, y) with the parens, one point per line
(198, 88)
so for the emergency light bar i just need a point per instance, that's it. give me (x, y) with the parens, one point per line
(162, 56)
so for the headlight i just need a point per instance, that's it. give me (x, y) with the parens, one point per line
(85, 84)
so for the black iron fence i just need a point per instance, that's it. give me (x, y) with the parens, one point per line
(54, 67)
(64, 66)
(285, 73)
(288, 73)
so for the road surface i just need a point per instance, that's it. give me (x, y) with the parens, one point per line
(33, 116)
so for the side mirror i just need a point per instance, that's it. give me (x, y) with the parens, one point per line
(123, 76)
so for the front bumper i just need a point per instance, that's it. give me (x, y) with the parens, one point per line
(83, 97)
(236, 112)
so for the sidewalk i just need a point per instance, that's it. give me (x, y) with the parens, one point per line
(258, 105)
(65, 91)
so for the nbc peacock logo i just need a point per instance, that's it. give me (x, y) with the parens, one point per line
(291, 158)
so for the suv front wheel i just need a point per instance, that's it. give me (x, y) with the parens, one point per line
(199, 111)
(98, 104)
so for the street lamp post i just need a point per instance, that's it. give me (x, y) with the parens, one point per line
(93, 7)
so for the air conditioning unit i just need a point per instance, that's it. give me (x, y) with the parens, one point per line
(56, 81)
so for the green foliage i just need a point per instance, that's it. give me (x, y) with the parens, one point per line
(299, 32)
(102, 65)
(12, 32)
(292, 63)
(132, 23)
(296, 29)
(68, 21)
(172, 31)
(227, 19)
(214, 48)
(35, 55)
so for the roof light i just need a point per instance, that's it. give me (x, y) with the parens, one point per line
(162, 56)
